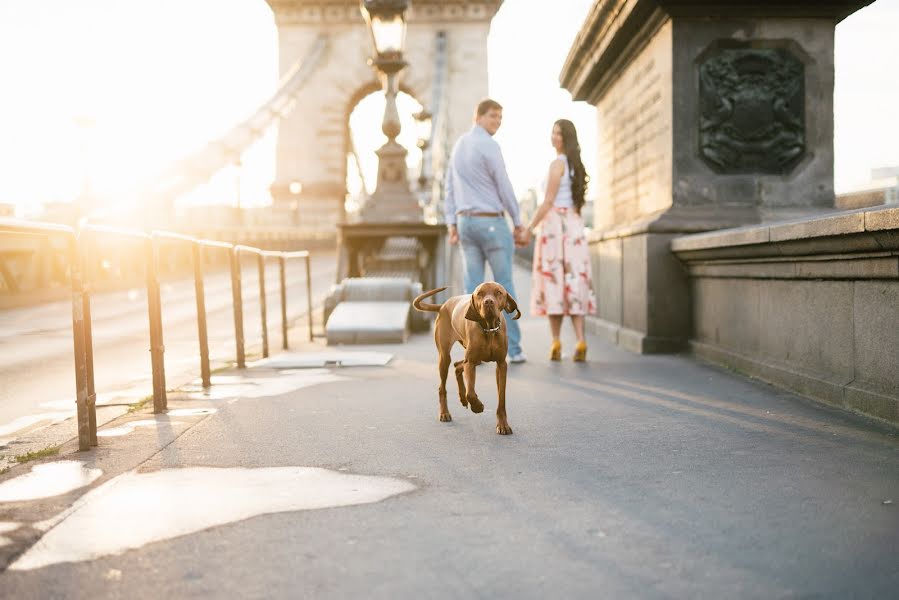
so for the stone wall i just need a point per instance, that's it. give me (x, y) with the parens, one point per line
(810, 305)
(635, 158)
(711, 115)
(862, 199)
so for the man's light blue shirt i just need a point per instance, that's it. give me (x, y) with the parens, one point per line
(477, 180)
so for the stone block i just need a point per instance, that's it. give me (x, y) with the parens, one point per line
(634, 278)
(606, 330)
(888, 239)
(837, 244)
(849, 268)
(745, 270)
(876, 339)
(369, 323)
(875, 403)
(632, 341)
(884, 226)
(378, 289)
(883, 219)
(741, 236)
(608, 285)
(808, 325)
(668, 290)
(841, 224)
(726, 313)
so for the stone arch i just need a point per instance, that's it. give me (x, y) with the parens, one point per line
(363, 92)
(313, 140)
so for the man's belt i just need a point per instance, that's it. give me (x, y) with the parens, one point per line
(480, 214)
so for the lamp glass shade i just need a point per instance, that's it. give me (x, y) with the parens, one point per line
(389, 34)
(423, 126)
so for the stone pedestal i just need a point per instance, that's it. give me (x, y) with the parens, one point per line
(711, 115)
(392, 201)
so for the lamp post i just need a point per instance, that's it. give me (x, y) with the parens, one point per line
(423, 127)
(392, 199)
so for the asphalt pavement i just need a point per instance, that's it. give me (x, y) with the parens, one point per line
(626, 477)
(37, 394)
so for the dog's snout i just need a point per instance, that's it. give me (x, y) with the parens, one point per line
(489, 301)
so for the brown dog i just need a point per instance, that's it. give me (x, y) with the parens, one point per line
(475, 321)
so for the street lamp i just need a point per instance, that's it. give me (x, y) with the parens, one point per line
(423, 131)
(423, 128)
(392, 199)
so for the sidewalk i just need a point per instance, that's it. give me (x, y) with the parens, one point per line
(628, 476)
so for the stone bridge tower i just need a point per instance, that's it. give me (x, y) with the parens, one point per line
(313, 140)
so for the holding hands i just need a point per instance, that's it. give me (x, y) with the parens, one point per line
(522, 236)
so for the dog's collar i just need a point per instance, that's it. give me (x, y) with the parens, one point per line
(494, 330)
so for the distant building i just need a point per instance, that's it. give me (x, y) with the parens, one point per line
(883, 188)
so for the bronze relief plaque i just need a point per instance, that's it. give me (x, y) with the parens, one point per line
(752, 110)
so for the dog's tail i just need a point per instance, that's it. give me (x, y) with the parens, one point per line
(427, 307)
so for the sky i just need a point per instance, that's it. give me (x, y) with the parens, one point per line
(103, 93)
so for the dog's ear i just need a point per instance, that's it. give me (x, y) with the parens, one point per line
(472, 314)
(512, 306)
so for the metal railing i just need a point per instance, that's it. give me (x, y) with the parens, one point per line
(78, 253)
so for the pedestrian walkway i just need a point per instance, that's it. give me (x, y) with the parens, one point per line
(627, 477)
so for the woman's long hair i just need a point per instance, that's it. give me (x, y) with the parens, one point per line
(576, 169)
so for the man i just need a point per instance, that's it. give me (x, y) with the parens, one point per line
(478, 193)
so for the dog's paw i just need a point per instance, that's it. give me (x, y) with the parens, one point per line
(503, 429)
(476, 405)
(464, 401)
(445, 417)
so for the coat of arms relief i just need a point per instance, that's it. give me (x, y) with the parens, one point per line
(752, 110)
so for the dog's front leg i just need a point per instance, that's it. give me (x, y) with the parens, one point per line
(473, 401)
(441, 392)
(502, 425)
(459, 366)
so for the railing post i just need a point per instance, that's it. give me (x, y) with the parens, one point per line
(202, 334)
(84, 437)
(260, 262)
(83, 244)
(238, 307)
(309, 294)
(283, 276)
(157, 349)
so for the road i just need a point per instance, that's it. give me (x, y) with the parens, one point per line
(627, 477)
(37, 366)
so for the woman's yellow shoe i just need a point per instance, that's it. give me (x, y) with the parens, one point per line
(555, 351)
(580, 352)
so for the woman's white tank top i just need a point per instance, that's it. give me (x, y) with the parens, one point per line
(563, 196)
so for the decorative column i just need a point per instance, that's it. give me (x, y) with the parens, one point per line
(711, 115)
(392, 199)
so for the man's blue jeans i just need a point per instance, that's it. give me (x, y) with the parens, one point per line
(488, 239)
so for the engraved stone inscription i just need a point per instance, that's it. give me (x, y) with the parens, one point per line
(752, 110)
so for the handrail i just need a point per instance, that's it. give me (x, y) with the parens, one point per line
(10, 224)
(84, 399)
(119, 231)
(78, 250)
(215, 244)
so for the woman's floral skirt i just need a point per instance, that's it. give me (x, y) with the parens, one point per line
(562, 282)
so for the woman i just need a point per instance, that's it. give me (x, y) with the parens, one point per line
(562, 282)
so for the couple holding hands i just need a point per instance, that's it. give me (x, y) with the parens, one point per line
(479, 193)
